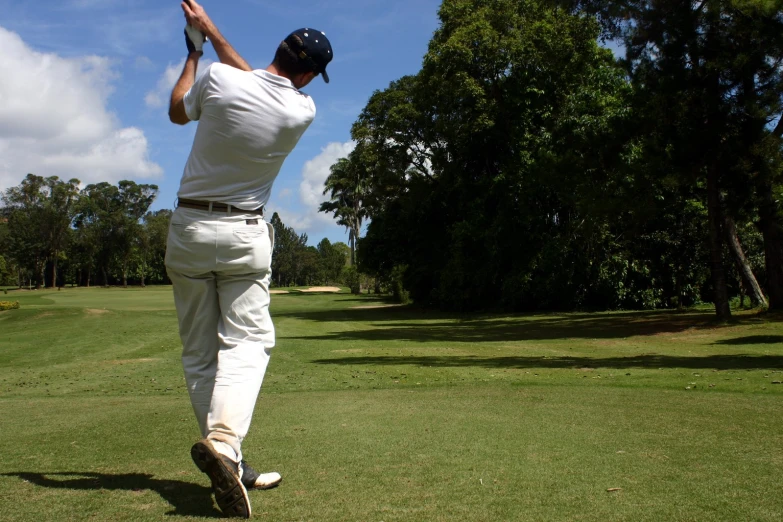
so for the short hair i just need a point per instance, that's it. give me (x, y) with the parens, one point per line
(288, 62)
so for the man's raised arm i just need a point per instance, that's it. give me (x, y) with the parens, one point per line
(186, 80)
(197, 17)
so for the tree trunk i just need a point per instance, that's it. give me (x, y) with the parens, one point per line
(742, 294)
(721, 298)
(40, 280)
(773, 253)
(772, 230)
(357, 227)
(89, 276)
(678, 285)
(105, 277)
(54, 272)
(746, 272)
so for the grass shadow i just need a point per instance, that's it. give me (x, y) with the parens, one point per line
(416, 325)
(647, 361)
(753, 339)
(186, 498)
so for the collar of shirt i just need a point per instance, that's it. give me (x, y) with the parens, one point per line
(283, 82)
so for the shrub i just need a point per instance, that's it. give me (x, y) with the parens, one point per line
(401, 295)
(8, 305)
(353, 279)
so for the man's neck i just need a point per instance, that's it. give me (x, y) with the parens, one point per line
(274, 70)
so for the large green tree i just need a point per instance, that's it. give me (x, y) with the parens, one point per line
(288, 257)
(40, 214)
(8, 271)
(347, 186)
(332, 261)
(491, 197)
(154, 237)
(109, 216)
(707, 83)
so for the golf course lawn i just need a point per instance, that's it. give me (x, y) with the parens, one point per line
(381, 413)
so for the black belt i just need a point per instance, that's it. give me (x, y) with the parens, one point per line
(215, 207)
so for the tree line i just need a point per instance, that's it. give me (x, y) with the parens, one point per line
(52, 234)
(296, 264)
(526, 167)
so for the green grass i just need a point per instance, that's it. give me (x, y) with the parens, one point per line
(398, 414)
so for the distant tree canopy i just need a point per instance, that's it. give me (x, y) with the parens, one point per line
(296, 264)
(53, 234)
(525, 167)
(56, 233)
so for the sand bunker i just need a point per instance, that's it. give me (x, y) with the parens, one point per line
(373, 307)
(311, 289)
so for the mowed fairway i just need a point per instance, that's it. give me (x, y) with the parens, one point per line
(393, 413)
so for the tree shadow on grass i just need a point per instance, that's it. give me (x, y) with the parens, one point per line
(753, 339)
(647, 361)
(406, 324)
(186, 498)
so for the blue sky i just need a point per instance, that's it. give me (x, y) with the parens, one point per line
(84, 87)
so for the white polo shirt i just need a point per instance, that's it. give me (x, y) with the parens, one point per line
(248, 124)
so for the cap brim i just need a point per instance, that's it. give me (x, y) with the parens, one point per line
(326, 76)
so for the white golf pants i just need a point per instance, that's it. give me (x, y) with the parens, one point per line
(220, 265)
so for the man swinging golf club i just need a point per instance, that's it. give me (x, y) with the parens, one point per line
(219, 250)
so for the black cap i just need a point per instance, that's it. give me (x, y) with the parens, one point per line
(313, 47)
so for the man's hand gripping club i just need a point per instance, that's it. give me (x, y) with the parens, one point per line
(199, 29)
(194, 39)
(197, 17)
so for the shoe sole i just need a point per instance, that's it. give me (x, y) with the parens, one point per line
(230, 493)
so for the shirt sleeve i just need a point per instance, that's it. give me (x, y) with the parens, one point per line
(194, 98)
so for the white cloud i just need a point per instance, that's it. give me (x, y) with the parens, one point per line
(314, 174)
(142, 63)
(303, 215)
(159, 97)
(54, 119)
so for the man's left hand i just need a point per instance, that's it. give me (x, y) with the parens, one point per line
(194, 39)
(198, 18)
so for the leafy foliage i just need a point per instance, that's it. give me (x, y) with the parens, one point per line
(525, 167)
(296, 264)
(109, 221)
(39, 211)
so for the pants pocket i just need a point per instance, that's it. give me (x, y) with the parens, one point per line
(249, 246)
(186, 231)
(248, 236)
(188, 245)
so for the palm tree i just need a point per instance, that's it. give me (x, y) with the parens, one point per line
(347, 188)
